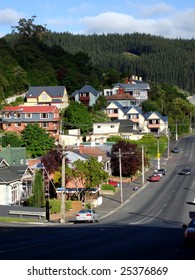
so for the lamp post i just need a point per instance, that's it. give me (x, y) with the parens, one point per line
(63, 198)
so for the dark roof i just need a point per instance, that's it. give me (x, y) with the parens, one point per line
(86, 88)
(164, 118)
(125, 125)
(52, 91)
(139, 86)
(12, 173)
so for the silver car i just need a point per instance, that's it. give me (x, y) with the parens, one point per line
(87, 215)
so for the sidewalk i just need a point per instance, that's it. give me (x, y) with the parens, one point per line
(113, 202)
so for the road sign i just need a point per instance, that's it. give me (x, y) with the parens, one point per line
(158, 155)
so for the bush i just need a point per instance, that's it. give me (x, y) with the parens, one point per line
(108, 187)
(55, 205)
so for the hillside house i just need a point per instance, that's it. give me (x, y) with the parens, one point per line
(87, 95)
(16, 118)
(133, 87)
(101, 131)
(47, 95)
(15, 183)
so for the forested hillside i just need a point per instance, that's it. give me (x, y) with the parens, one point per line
(156, 59)
(33, 56)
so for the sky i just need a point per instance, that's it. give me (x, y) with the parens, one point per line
(170, 19)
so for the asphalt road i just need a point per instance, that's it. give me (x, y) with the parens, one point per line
(147, 227)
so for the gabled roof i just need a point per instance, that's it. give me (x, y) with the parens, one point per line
(149, 114)
(117, 104)
(86, 88)
(126, 110)
(125, 125)
(29, 109)
(52, 91)
(12, 173)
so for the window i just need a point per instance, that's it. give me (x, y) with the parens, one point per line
(45, 125)
(99, 126)
(17, 124)
(112, 126)
(7, 115)
(44, 116)
(17, 115)
(44, 96)
(28, 116)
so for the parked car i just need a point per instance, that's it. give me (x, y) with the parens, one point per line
(87, 215)
(161, 170)
(93, 190)
(189, 233)
(186, 171)
(70, 190)
(154, 178)
(176, 150)
(111, 182)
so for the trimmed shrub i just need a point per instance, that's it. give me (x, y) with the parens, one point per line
(108, 187)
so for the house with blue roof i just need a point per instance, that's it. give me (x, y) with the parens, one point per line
(87, 95)
(47, 95)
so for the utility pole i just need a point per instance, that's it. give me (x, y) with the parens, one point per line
(158, 156)
(62, 213)
(120, 171)
(176, 133)
(143, 166)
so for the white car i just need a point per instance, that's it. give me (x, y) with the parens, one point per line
(157, 173)
(87, 215)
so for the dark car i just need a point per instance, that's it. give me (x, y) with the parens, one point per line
(176, 150)
(189, 233)
(186, 171)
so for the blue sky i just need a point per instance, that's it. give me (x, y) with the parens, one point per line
(170, 19)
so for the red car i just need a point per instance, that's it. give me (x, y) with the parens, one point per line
(111, 182)
(154, 178)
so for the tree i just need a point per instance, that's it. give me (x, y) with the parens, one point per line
(77, 116)
(12, 139)
(131, 158)
(27, 29)
(36, 140)
(38, 198)
(89, 173)
(52, 161)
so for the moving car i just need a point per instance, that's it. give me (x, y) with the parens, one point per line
(158, 173)
(189, 233)
(176, 150)
(87, 215)
(186, 171)
(161, 170)
(154, 178)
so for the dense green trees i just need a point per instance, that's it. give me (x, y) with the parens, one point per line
(36, 140)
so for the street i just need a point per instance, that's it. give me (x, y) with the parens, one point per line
(147, 227)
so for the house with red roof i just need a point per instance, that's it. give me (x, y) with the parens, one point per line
(16, 118)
